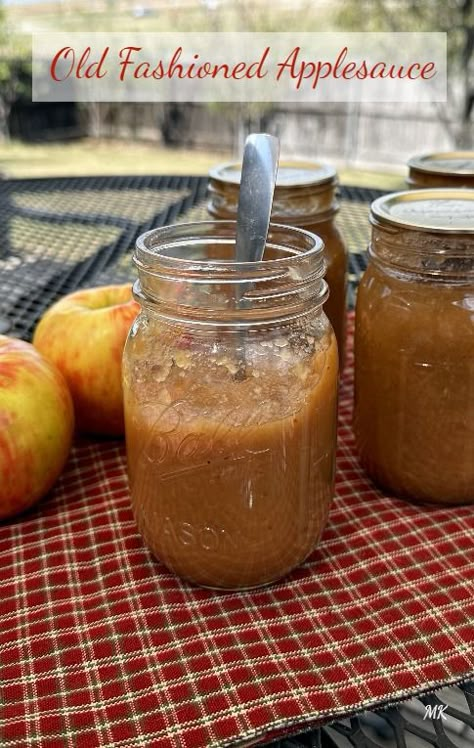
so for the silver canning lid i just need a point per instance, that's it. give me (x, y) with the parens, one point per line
(440, 210)
(290, 173)
(457, 163)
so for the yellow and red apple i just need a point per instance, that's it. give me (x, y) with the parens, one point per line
(36, 425)
(84, 334)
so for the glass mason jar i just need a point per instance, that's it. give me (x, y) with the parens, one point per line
(414, 347)
(230, 385)
(305, 197)
(450, 169)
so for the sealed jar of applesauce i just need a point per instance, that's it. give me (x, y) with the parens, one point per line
(414, 347)
(305, 197)
(230, 384)
(450, 169)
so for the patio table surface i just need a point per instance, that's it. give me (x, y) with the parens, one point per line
(62, 234)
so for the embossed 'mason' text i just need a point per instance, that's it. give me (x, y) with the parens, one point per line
(206, 537)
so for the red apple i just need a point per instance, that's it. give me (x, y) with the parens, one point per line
(83, 334)
(36, 425)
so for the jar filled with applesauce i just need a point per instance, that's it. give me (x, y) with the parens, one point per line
(230, 386)
(414, 347)
(305, 197)
(450, 169)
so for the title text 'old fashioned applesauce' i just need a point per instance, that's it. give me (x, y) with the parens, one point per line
(230, 382)
(305, 197)
(414, 346)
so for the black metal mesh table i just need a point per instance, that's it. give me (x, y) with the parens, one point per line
(62, 234)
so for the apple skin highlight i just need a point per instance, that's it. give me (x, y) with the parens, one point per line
(84, 334)
(36, 426)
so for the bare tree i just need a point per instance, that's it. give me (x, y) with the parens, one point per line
(15, 74)
(456, 17)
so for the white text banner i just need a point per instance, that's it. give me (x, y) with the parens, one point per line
(240, 66)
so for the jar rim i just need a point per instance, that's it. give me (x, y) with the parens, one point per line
(206, 284)
(177, 233)
(400, 209)
(439, 163)
(311, 173)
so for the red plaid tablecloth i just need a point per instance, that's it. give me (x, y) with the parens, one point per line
(101, 646)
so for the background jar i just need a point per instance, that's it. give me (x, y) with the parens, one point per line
(305, 197)
(414, 347)
(230, 382)
(450, 169)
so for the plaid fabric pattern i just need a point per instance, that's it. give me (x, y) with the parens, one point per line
(100, 645)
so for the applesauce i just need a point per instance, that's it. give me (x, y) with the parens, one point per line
(305, 197)
(414, 347)
(450, 169)
(230, 404)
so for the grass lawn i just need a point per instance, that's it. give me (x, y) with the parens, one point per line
(94, 157)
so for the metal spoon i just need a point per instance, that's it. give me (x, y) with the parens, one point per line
(257, 185)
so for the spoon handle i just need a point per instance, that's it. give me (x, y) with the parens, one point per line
(257, 185)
